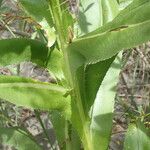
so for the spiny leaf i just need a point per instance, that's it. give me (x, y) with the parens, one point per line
(34, 94)
(102, 111)
(89, 76)
(108, 44)
(94, 73)
(103, 44)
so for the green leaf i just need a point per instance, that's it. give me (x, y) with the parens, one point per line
(93, 74)
(14, 51)
(110, 9)
(86, 21)
(128, 16)
(137, 137)
(17, 50)
(103, 10)
(108, 44)
(65, 133)
(54, 64)
(124, 3)
(100, 46)
(57, 119)
(102, 111)
(17, 138)
(94, 48)
(34, 94)
(40, 11)
(87, 79)
(1, 2)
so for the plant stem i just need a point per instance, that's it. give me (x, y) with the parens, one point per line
(56, 13)
(37, 114)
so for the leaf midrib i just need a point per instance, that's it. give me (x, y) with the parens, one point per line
(31, 85)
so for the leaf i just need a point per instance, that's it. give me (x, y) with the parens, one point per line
(17, 138)
(65, 133)
(86, 21)
(87, 79)
(102, 111)
(1, 2)
(125, 17)
(124, 3)
(14, 51)
(34, 94)
(94, 73)
(57, 119)
(100, 46)
(39, 10)
(137, 137)
(110, 9)
(103, 10)
(108, 44)
(54, 64)
(102, 72)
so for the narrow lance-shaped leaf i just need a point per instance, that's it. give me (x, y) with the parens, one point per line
(94, 73)
(136, 12)
(102, 111)
(88, 77)
(34, 94)
(137, 137)
(18, 139)
(107, 41)
(106, 45)
(106, 94)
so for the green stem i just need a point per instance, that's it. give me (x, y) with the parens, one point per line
(37, 114)
(56, 13)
